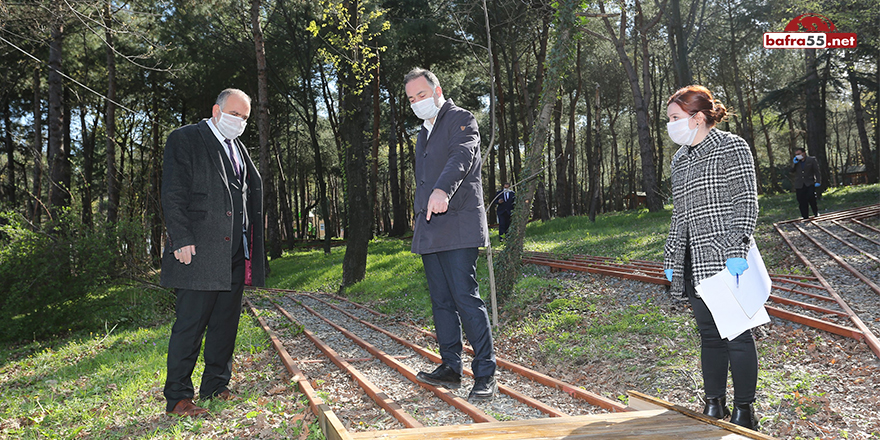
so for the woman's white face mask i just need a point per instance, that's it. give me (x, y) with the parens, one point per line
(426, 108)
(680, 132)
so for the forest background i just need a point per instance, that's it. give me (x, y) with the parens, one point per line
(570, 97)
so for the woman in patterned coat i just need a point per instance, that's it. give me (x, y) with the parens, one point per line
(715, 208)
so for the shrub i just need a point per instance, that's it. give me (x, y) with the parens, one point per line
(49, 275)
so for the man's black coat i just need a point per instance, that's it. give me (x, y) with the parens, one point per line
(197, 200)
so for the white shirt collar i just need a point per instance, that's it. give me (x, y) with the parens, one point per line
(223, 141)
(428, 126)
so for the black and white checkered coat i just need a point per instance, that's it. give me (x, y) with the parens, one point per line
(715, 206)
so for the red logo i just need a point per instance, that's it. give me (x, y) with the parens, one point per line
(810, 31)
(810, 23)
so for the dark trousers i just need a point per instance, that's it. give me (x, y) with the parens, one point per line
(198, 311)
(503, 223)
(452, 281)
(806, 198)
(717, 355)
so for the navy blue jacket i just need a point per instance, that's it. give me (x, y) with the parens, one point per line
(450, 160)
(505, 207)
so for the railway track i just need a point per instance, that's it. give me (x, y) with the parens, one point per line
(842, 252)
(841, 249)
(369, 361)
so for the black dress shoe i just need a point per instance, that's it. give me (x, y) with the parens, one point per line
(442, 376)
(716, 407)
(744, 415)
(484, 388)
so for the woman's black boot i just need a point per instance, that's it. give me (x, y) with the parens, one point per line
(716, 407)
(744, 415)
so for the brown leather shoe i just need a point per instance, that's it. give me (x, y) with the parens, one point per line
(186, 408)
(227, 396)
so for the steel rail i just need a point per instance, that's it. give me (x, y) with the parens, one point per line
(611, 262)
(537, 404)
(861, 211)
(572, 390)
(375, 393)
(829, 327)
(867, 210)
(446, 395)
(856, 233)
(808, 306)
(797, 283)
(793, 276)
(846, 242)
(801, 292)
(328, 421)
(866, 226)
(869, 337)
(571, 265)
(840, 261)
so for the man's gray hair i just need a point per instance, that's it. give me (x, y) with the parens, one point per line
(417, 72)
(224, 95)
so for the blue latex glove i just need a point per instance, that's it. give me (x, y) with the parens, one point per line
(736, 266)
(794, 160)
(668, 273)
(817, 184)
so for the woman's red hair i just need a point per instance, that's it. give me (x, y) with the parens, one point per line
(698, 99)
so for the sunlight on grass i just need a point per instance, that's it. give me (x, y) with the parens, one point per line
(89, 384)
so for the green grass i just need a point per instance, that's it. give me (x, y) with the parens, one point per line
(107, 382)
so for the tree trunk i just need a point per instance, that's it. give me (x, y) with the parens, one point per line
(509, 260)
(865, 145)
(270, 202)
(154, 205)
(88, 146)
(110, 121)
(746, 111)
(595, 162)
(354, 130)
(678, 45)
(10, 148)
(35, 208)
(646, 146)
(354, 127)
(774, 180)
(59, 168)
(398, 222)
(563, 207)
(816, 131)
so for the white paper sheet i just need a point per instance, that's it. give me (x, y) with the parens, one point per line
(738, 306)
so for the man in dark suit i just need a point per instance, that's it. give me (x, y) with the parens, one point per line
(450, 227)
(806, 180)
(213, 205)
(505, 200)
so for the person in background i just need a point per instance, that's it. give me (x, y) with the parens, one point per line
(505, 200)
(806, 180)
(213, 205)
(450, 227)
(715, 209)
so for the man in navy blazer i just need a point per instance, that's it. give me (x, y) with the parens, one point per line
(213, 206)
(806, 179)
(505, 200)
(450, 227)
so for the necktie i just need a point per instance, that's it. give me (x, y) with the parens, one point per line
(235, 166)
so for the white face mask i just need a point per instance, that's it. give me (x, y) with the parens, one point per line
(425, 109)
(230, 126)
(679, 131)
(799, 157)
